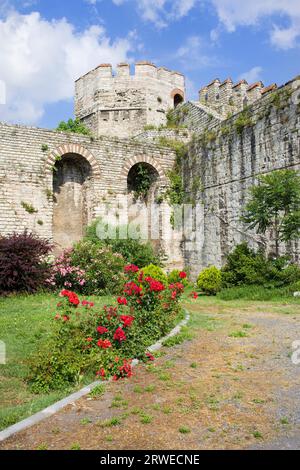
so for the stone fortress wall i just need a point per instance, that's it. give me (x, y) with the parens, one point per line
(225, 158)
(56, 183)
(229, 98)
(123, 104)
(28, 200)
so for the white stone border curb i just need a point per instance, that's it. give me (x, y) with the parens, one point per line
(51, 410)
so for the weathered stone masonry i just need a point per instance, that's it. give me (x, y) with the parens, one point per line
(227, 162)
(56, 183)
(26, 173)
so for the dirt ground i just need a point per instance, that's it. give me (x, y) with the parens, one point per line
(232, 386)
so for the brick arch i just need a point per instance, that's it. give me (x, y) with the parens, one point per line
(177, 91)
(144, 159)
(72, 148)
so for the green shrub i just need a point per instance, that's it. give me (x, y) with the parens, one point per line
(156, 273)
(246, 267)
(74, 126)
(103, 268)
(210, 280)
(174, 276)
(134, 251)
(84, 340)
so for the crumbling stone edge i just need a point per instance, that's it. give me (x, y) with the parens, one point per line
(52, 409)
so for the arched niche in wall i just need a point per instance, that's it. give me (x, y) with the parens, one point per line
(72, 169)
(145, 181)
(178, 97)
(72, 179)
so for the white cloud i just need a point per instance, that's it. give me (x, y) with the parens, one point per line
(232, 13)
(161, 12)
(253, 75)
(39, 61)
(193, 54)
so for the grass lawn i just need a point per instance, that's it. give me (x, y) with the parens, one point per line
(25, 321)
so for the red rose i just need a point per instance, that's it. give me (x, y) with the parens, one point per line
(85, 303)
(73, 298)
(195, 295)
(154, 285)
(66, 318)
(89, 339)
(150, 356)
(132, 289)
(179, 286)
(101, 330)
(101, 373)
(131, 268)
(104, 344)
(127, 320)
(182, 275)
(119, 335)
(174, 294)
(122, 301)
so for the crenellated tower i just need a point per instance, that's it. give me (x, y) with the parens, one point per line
(229, 98)
(122, 104)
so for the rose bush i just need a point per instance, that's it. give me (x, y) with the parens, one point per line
(86, 340)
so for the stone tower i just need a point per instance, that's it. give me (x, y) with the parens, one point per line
(122, 105)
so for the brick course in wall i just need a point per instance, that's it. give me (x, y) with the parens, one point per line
(26, 173)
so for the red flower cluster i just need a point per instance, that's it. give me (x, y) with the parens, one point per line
(124, 371)
(119, 335)
(177, 286)
(73, 299)
(127, 320)
(122, 301)
(195, 295)
(182, 275)
(131, 268)
(154, 285)
(85, 303)
(131, 288)
(150, 356)
(104, 344)
(101, 330)
(101, 373)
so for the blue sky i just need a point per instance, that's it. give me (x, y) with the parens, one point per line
(46, 45)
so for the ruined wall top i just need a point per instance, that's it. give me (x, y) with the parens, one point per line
(142, 69)
(229, 98)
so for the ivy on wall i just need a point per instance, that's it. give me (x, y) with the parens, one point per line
(142, 180)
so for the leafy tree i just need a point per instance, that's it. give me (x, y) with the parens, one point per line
(275, 204)
(75, 126)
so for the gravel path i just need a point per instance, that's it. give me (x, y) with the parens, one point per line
(232, 386)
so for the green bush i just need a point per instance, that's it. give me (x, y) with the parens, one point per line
(246, 267)
(210, 280)
(85, 340)
(156, 273)
(258, 293)
(134, 251)
(103, 268)
(174, 276)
